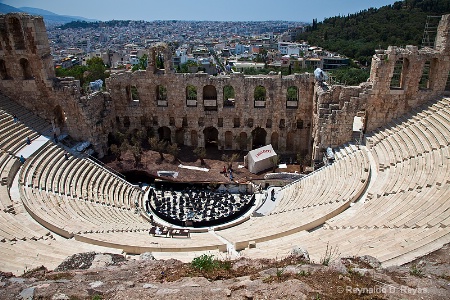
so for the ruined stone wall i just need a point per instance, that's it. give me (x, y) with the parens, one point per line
(396, 85)
(322, 116)
(27, 76)
(277, 119)
(25, 61)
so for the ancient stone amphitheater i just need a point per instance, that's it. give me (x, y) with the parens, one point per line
(388, 197)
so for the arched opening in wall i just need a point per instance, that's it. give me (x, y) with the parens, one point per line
(191, 95)
(259, 96)
(250, 122)
(210, 97)
(164, 134)
(3, 71)
(159, 60)
(397, 79)
(292, 97)
(243, 141)
(179, 136)
(134, 94)
(26, 69)
(16, 31)
(258, 137)
(228, 140)
(228, 96)
(194, 138)
(290, 142)
(424, 82)
(126, 122)
(161, 95)
(274, 140)
(59, 116)
(211, 135)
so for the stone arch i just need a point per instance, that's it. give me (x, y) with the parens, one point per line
(26, 69)
(210, 97)
(211, 135)
(179, 136)
(228, 96)
(165, 134)
(259, 96)
(194, 138)
(258, 137)
(209, 92)
(243, 141)
(290, 142)
(228, 140)
(17, 33)
(260, 93)
(161, 92)
(399, 73)
(3, 70)
(59, 117)
(292, 93)
(191, 95)
(274, 138)
(292, 97)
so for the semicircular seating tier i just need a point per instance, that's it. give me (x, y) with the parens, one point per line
(388, 199)
(405, 212)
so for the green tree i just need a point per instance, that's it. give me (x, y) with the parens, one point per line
(260, 93)
(96, 69)
(142, 65)
(158, 146)
(174, 151)
(201, 154)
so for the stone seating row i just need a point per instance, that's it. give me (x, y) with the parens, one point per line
(322, 187)
(434, 121)
(409, 213)
(13, 224)
(326, 203)
(22, 256)
(79, 178)
(66, 216)
(139, 242)
(392, 246)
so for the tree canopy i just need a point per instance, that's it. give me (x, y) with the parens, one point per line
(358, 35)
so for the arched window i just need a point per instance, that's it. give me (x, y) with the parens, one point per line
(3, 71)
(228, 96)
(191, 95)
(26, 69)
(210, 97)
(16, 30)
(292, 97)
(398, 74)
(259, 96)
(161, 95)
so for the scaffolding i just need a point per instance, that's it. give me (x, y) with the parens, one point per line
(430, 31)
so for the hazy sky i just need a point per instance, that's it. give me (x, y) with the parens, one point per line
(228, 10)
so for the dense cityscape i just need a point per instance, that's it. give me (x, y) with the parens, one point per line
(212, 47)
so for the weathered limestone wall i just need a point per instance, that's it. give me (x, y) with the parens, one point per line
(146, 113)
(377, 100)
(25, 61)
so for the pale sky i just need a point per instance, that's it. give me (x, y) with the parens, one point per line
(211, 10)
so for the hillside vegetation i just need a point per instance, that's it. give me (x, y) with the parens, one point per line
(358, 35)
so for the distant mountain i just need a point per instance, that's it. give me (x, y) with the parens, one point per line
(49, 17)
(5, 9)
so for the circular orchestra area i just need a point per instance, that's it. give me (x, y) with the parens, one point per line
(195, 206)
